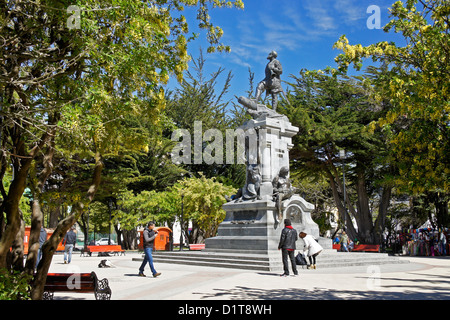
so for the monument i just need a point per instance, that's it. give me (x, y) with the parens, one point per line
(254, 216)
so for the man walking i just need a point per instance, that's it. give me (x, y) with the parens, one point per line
(149, 238)
(287, 246)
(69, 241)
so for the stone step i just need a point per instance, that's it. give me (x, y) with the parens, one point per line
(325, 254)
(219, 264)
(230, 260)
(270, 261)
(224, 261)
(211, 256)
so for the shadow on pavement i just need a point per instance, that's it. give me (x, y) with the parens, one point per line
(246, 293)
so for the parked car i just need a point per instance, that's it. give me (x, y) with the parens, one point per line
(103, 241)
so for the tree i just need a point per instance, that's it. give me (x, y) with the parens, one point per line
(333, 113)
(199, 99)
(69, 89)
(316, 190)
(416, 83)
(202, 200)
(134, 210)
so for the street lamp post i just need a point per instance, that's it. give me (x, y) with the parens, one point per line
(181, 222)
(109, 231)
(342, 156)
(86, 240)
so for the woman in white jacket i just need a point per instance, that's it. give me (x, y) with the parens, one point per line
(313, 248)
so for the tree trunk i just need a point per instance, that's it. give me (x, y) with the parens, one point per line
(343, 214)
(364, 217)
(17, 246)
(49, 247)
(382, 212)
(54, 214)
(441, 200)
(36, 212)
(119, 234)
(33, 244)
(12, 213)
(129, 239)
(84, 225)
(48, 250)
(21, 164)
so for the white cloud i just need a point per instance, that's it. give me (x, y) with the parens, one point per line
(350, 11)
(320, 15)
(237, 59)
(288, 25)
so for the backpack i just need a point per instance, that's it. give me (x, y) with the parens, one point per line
(300, 259)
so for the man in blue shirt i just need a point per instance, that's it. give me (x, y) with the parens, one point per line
(69, 242)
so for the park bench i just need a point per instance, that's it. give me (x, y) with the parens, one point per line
(361, 247)
(76, 282)
(116, 249)
(367, 247)
(197, 246)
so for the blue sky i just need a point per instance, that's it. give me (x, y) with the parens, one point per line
(301, 31)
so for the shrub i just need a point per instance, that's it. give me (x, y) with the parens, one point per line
(14, 285)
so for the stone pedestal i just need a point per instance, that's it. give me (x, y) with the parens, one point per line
(253, 226)
(274, 140)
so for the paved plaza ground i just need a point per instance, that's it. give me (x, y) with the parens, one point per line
(424, 278)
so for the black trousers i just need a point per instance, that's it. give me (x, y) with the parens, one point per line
(291, 254)
(312, 259)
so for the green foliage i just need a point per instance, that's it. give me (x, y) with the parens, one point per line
(24, 204)
(318, 192)
(333, 112)
(198, 98)
(95, 77)
(14, 285)
(203, 199)
(416, 84)
(137, 209)
(98, 217)
(68, 96)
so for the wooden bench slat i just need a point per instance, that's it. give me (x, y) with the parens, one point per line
(65, 283)
(63, 287)
(66, 289)
(197, 246)
(361, 247)
(82, 275)
(56, 281)
(367, 247)
(103, 249)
